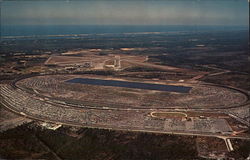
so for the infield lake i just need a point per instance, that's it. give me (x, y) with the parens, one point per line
(136, 85)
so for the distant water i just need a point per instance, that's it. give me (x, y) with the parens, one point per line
(40, 30)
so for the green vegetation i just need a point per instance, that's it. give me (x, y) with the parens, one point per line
(21, 143)
(24, 142)
(142, 69)
(2, 59)
(241, 149)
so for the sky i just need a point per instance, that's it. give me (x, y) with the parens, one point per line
(125, 12)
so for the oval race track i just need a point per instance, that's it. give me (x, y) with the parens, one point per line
(198, 96)
(52, 98)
